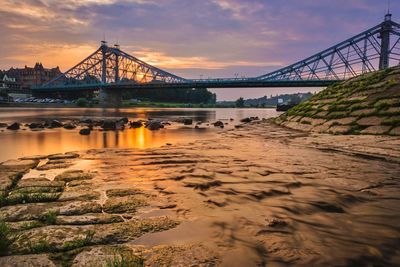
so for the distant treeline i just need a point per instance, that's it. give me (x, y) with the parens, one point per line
(198, 95)
(270, 101)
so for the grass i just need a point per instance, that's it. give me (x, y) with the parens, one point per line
(41, 246)
(392, 122)
(79, 242)
(37, 189)
(125, 261)
(30, 225)
(381, 106)
(50, 217)
(65, 258)
(7, 238)
(3, 199)
(21, 198)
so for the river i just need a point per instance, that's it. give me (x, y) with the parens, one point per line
(26, 142)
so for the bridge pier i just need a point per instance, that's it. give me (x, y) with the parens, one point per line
(110, 98)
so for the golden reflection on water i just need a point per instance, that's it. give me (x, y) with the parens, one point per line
(25, 143)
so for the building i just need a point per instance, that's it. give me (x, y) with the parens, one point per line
(7, 82)
(28, 77)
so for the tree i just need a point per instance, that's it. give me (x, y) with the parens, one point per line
(295, 99)
(81, 102)
(239, 102)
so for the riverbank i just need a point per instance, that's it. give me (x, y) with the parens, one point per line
(126, 104)
(366, 104)
(260, 194)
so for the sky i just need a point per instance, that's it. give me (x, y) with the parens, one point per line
(190, 38)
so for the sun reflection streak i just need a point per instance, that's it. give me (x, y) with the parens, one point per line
(140, 137)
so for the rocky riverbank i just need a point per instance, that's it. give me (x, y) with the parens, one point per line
(84, 126)
(367, 104)
(260, 194)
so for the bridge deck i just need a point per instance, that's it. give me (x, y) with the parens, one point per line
(190, 84)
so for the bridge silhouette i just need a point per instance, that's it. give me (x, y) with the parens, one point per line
(111, 68)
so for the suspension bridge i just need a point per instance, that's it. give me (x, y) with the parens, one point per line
(109, 68)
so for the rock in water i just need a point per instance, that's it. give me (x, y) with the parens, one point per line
(219, 124)
(35, 125)
(124, 120)
(69, 126)
(56, 124)
(246, 120)
(84, 120)
(135, 124)
(84, 131)
(109, 125)
(3, 125)
(187, 121)
(14, 126)
(154, 125)
(120, 126)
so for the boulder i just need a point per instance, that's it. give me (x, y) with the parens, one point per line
(250, 119)
(245, 120)
(120, 126)
(69, 126)
(98, 122)
(218, 124)
(3, 125)
(109, 125)
(14, 126)
(135, 124)
(84, 131)
(124, 120)
(154, 125)
(35, 125)
(56, 124)
(84, 120)
(185, 121)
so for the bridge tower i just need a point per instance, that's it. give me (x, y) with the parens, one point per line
(384, 35)
(109, 97)
(116, 69)
(103, 62)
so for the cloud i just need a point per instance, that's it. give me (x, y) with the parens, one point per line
(218, 37)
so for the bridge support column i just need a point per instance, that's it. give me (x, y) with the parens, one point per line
(385, 42)
(110, 98)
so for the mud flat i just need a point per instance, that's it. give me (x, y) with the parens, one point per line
(258, 195)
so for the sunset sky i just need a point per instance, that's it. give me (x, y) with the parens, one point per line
(190, 38)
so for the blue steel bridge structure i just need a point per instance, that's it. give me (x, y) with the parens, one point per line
(110, 68)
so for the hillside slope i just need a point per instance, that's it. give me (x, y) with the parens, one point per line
(367, 104)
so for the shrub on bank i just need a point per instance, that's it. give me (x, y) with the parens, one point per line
(81, 102)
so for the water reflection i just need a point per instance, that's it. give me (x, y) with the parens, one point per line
(26, 142)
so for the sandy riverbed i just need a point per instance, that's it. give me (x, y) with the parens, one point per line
(261, 195)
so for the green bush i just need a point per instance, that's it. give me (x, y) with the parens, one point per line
(82, 102)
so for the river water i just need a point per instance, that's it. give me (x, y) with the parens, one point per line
(26, 142)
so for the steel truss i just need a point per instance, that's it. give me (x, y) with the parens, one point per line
(110, 65)
(357, 55)
(376, 48)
